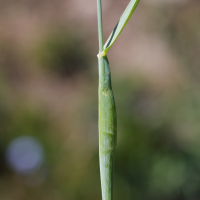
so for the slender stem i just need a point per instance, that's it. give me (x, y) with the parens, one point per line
(100, 26)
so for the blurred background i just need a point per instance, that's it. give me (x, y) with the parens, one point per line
(49, 102)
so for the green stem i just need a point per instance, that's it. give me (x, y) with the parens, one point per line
(107, 118)
(100, 26)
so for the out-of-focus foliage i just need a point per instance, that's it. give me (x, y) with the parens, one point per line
(153, 160)
(64, 53)
(158, 154)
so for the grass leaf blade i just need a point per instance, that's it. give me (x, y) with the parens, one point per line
(121, 24)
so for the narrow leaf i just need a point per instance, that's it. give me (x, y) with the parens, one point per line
(121, 24)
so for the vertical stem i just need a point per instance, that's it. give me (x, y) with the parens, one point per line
(100, 26)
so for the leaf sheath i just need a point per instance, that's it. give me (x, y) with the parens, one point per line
(107, 129)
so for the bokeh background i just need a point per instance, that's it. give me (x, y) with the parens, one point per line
(49, 102)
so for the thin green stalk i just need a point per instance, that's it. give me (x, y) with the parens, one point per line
(107, 118)
(100, 26)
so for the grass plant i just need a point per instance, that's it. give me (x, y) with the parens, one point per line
(107, 109)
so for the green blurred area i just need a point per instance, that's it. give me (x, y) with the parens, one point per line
(49, 87)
